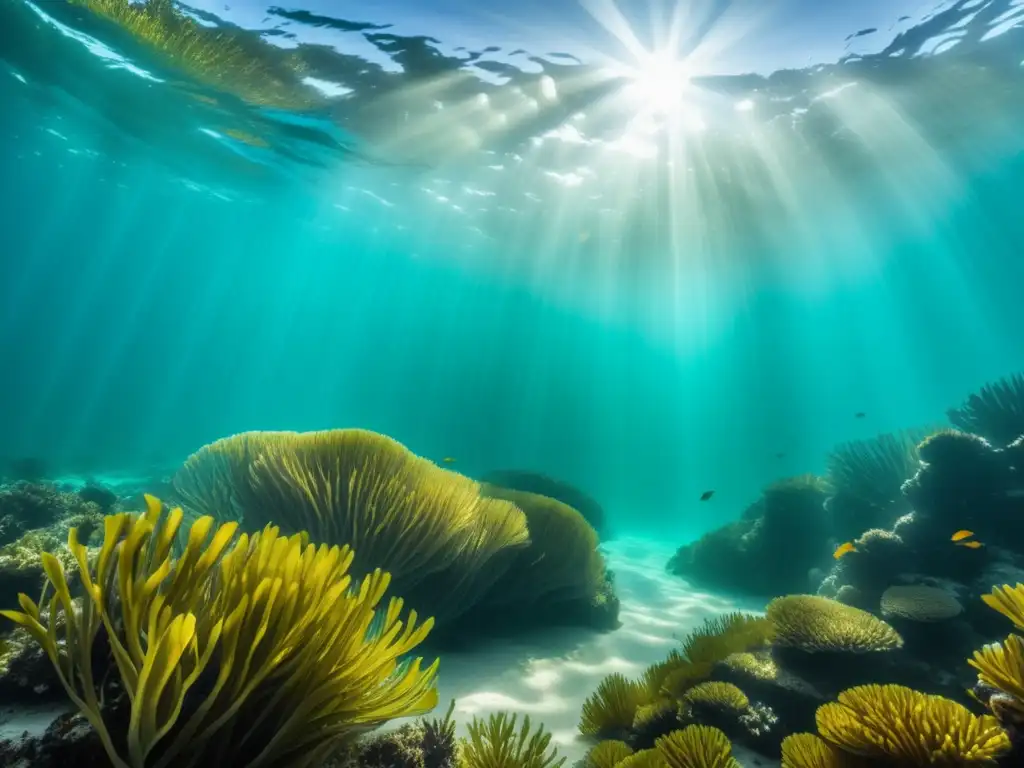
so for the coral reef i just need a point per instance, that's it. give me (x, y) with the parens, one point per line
(744, 556)
(543, 485)
(963, 482)
(29, 505)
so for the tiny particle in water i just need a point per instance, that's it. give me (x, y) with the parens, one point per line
(706, 495)
(448, 460)
(780, 455)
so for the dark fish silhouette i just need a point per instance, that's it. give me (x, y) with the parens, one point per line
(706, 495)
(859, 415)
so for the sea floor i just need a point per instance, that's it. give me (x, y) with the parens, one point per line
(549, 675)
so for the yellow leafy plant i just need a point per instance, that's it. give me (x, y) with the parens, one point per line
(697, 746)
(497, 743)
(901, 725)
(256, 650)
(611, 708)
(443, 542)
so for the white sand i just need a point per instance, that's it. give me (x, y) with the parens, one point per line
(548, 675)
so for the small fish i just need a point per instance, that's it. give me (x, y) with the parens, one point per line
(970, 544)
(961, 535)
(860, 415)
(780, 455)
(706, 495)
(448, 460)
(844, 549)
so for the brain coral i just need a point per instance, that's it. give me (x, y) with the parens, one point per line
(919, 603)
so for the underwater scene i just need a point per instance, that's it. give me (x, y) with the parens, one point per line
(449, 384)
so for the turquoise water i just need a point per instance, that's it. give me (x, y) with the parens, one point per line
(506, 281)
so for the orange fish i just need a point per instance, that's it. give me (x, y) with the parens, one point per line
(961, 535)
(844, 549)
(448, 460)
(970, 544)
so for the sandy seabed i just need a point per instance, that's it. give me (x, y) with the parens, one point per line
(548, 675)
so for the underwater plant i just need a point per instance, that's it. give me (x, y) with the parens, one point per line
(808, 750)
(608, 754)
(812, 624)
(561, 562)
(445, 544)
(873, 470)
(495, 743)
(543, 485)
(255, 648)
(1000, 666)
(651, 704)
(995, 412)
(724, 696)
(611, 708)
(425, 743)
(697, 746)
(760, 666)
(865, 478)
(906, 727)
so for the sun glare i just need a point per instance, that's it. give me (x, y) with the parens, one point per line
(660, 82)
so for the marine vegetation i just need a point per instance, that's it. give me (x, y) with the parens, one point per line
(995, 412)
(865, 478)
(816, 624)
(425, 743)
(226, 58)
(444, 543)
(893, 725)
(497, 743)
(543, 485)
(257, 650)
(561, 566)
(696, 746)
(1000, 666)
(639, 711)
(452, 549)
